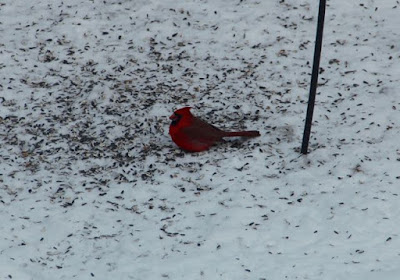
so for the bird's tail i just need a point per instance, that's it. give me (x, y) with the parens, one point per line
(251, 133)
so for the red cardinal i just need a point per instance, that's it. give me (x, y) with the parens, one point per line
(194, 135)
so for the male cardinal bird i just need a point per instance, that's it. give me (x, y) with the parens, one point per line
(194, 135)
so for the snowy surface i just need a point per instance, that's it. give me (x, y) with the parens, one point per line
(92, 187)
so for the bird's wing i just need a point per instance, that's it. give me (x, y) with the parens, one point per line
(201, 130)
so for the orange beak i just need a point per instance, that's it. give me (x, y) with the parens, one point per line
(173, 117)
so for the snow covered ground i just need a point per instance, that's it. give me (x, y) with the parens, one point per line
(92, 187)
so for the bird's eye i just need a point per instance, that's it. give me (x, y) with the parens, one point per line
(175, 118)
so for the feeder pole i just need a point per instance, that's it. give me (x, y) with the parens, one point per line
(314, 76)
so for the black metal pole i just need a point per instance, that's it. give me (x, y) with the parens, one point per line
(314, 76)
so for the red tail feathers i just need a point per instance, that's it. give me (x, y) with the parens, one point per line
(252, 133)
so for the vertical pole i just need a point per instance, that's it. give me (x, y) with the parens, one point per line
(314, 77)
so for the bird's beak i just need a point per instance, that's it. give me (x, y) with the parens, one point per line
(173, 117)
